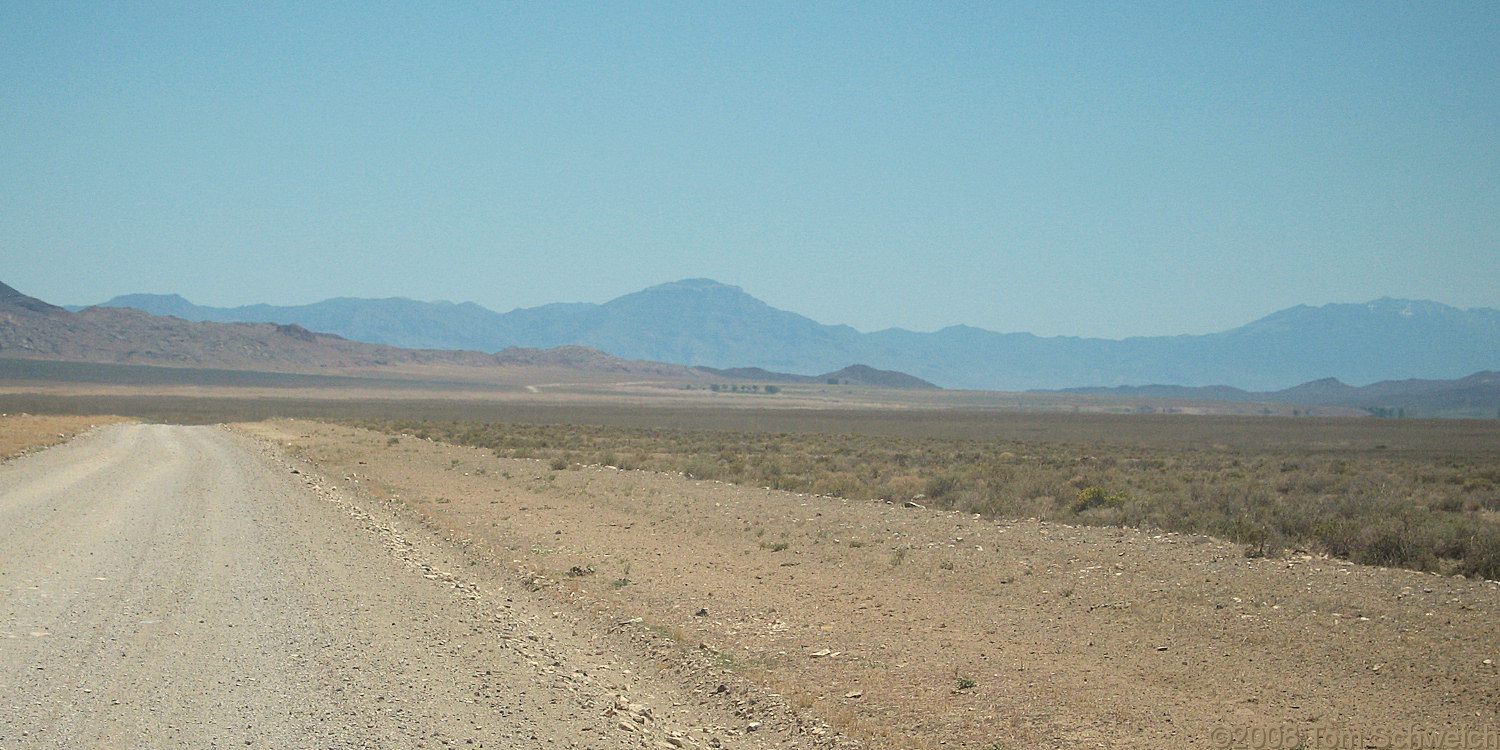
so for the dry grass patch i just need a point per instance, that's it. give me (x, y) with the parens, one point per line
(22, 432)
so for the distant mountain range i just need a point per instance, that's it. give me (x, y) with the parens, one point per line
(31, 329)
(700, 322)
(1475, 395)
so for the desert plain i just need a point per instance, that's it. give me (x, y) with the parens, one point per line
(660, 607)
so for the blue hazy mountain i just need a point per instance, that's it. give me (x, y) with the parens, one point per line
(1477, 395)
(703, 322)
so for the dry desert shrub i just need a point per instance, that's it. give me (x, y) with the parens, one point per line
(1425, 510)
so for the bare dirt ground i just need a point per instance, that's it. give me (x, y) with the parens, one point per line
(905, 627)
(187, 587)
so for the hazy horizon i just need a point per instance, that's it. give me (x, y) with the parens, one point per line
(1086, 170)
(747, 291)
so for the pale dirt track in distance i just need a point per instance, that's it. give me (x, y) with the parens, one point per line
(168, 586)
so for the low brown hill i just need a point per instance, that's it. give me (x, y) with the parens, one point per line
(851, 375)
(12, 300)
(867, 375)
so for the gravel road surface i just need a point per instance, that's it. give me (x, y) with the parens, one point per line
(165, 586)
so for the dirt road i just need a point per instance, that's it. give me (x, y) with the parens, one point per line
(170, 586)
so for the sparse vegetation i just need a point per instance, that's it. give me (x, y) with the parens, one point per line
(1425, 509)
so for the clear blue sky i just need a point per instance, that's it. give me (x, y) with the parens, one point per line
(1106, 169)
